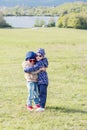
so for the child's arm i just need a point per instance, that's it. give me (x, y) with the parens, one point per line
(34, 68)
(45, 60)
(23, 65)
(41, 69)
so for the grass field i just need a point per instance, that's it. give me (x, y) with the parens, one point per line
(66, 50)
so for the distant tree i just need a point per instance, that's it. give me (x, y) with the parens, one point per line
(76, 22)
(51, 22)
(39, 23)
(36, 23)
(42, 23)
(3, 23)
(62, 21)
(73, 20)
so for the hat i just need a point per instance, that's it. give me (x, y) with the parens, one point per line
(30, 55)
(41, 51)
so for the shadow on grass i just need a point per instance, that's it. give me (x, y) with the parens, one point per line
(66, 110)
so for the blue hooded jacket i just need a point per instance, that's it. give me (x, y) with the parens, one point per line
(42, 75)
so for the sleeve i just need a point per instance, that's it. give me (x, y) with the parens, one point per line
(33, 68)
(36, 72)
(45, 62)
(24, 64)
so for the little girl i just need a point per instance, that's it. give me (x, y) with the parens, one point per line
(31, 81)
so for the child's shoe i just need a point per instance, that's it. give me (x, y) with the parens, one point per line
(30, 108)
(37, 106)
(40, 109)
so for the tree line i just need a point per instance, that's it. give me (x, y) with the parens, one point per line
(70, 14)
(75, 7)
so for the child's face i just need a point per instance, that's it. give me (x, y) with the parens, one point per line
(39, 57)
(31, 61)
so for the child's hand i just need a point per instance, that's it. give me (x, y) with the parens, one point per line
(25, 64)
(43, 69)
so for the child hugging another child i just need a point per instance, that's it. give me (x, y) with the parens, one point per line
(41, 62)
(31, 78)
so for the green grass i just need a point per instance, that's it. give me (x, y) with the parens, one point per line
(66, 107)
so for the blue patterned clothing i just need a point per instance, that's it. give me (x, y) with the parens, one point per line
(42, 75)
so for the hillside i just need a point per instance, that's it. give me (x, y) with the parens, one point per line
(75, 7)
(66, 8)
(10, 3)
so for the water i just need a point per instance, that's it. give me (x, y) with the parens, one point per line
(26, 21)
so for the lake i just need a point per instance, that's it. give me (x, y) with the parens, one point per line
(26, 21)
